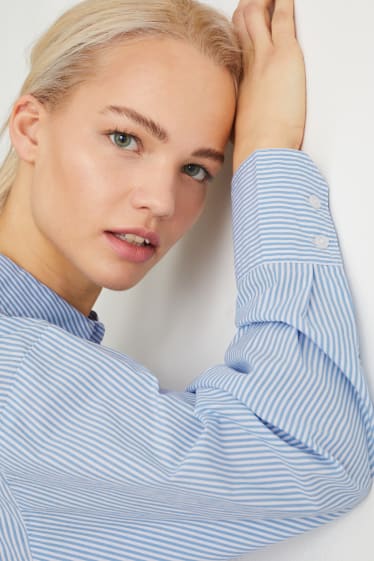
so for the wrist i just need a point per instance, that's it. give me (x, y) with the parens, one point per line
(242, 153)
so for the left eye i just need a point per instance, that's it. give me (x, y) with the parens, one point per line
(124, 140)
(197, 172)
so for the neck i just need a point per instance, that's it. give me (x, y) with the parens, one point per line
(24, 244)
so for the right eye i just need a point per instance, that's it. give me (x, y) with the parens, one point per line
(124, 140)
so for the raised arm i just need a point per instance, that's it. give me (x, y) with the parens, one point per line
(272, 98)
(100, 463)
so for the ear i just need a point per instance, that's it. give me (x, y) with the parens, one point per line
(24, 126)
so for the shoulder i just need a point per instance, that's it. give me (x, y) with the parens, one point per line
(52, 352)
(20, 330)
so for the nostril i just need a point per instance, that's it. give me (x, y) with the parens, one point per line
(158, 200)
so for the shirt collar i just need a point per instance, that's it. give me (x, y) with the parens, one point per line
(23, 295)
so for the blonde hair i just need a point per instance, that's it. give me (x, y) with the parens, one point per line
(64, 56)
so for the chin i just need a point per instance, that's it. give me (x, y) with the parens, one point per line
(119, 280)
(120, 285)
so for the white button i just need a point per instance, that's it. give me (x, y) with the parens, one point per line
(315, 202)
(322, 242)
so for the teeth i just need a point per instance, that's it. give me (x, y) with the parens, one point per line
(132, 238)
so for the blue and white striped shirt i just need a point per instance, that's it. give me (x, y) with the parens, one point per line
(97, 463)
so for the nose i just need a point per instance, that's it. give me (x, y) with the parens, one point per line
(156, 193)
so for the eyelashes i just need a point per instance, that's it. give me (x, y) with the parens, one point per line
(130, 142)
(126, 140)
(193, 170)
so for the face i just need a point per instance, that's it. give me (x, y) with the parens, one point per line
(131, 152)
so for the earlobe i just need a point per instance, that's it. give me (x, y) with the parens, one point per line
(24, 127)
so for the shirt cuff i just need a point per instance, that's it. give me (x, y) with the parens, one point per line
(280, 205)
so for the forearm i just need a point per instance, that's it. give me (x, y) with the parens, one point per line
(294, 363)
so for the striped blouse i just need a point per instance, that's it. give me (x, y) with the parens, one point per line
(98, 463)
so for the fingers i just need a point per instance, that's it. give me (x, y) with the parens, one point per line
(261, 23)
(252, 22)
(241, 28)
(283, 21)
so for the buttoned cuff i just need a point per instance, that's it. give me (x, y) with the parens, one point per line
(280, 205)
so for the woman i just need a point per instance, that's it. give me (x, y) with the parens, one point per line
(119, 127)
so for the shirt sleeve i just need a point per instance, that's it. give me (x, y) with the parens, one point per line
(275, 441)
(293, 369)
(291, 395)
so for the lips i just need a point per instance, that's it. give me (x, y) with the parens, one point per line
(146, 234)
(132, 252)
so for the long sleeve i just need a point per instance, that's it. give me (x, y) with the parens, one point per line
(99, 464)
(294, 364)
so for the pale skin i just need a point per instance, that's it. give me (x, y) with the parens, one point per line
(77, 179)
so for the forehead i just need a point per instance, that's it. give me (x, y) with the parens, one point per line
(166, 78)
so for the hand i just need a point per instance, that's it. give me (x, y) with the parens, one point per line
(272, 96)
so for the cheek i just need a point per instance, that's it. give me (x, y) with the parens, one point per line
(70, 187)
(80, 177)
(190, 205)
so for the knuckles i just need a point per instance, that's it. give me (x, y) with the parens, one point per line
(246, 9)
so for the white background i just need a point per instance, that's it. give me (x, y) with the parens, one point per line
(180, 318)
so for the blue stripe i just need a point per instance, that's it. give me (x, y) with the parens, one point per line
(97, 463)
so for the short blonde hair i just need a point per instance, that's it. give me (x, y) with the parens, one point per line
(64, 56)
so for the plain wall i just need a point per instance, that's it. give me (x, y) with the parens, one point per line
(180, 318)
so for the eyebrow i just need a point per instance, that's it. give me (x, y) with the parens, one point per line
(156, 130)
